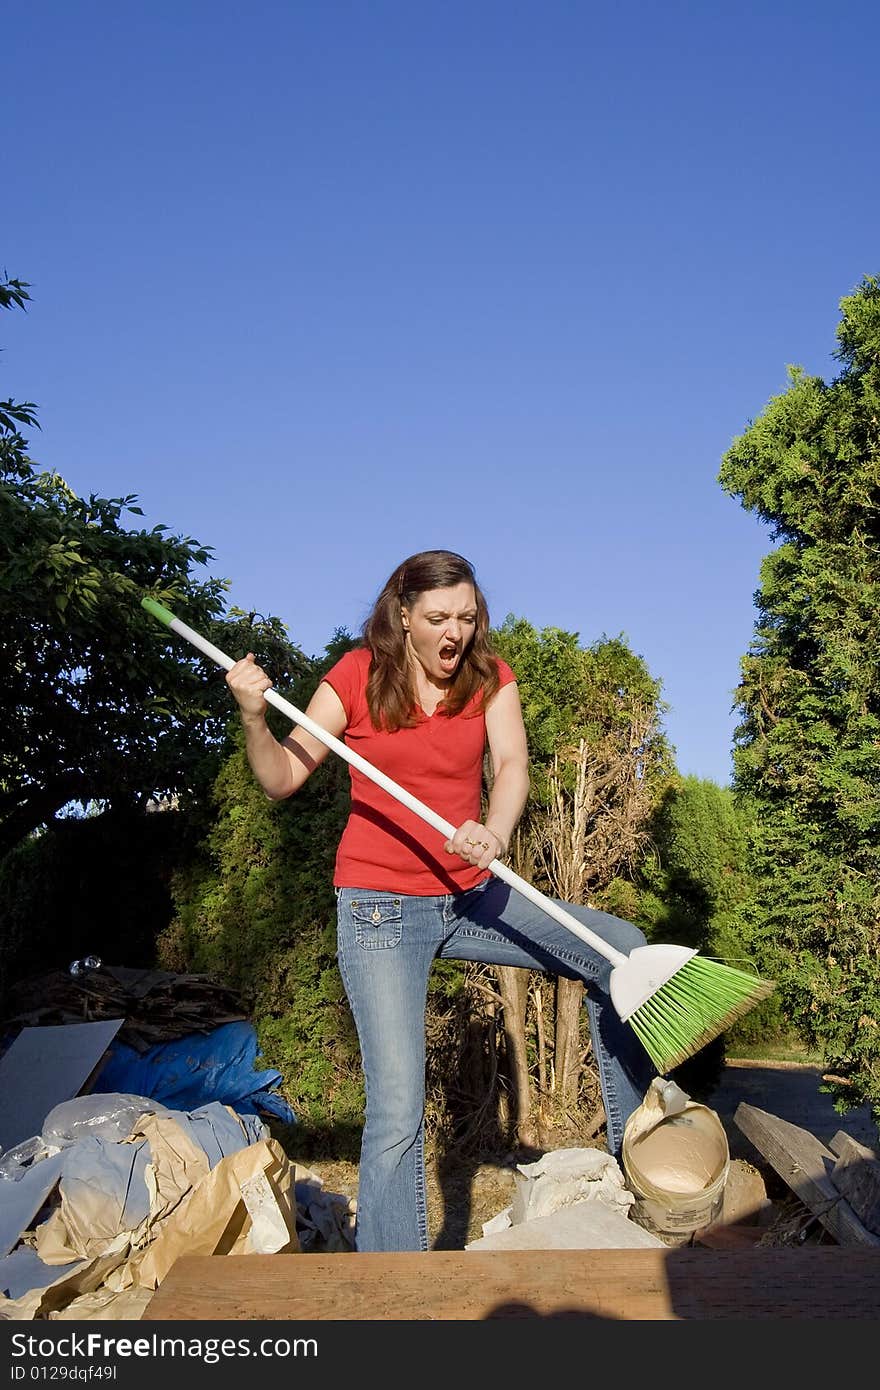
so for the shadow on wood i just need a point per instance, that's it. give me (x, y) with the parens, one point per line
(643, 1285)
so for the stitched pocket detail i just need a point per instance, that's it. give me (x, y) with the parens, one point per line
(378, 921)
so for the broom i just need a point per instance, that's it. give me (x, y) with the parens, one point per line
(675, 1001)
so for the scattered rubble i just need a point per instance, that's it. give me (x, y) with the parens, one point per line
(96, 1206)
(155, 1005)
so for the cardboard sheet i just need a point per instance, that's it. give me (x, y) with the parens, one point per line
(20, 1201)
(44, 1066)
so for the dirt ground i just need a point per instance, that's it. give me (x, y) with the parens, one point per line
(463, 1195)
(458, 1203)
(468, 1196)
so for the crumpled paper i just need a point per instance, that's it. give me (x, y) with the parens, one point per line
(325, 1220)
(245, 1203)
(662, 1100)
(214, 1218)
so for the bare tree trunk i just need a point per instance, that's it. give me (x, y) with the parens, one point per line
(542, 1041)
(474, 1060)
(513, 986)
(569, 997)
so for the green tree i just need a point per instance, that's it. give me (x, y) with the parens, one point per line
(697, 876)
(696, 890)
(806, 749)
(96, 705)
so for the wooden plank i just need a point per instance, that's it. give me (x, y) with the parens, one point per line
(657, 1285)
(857, 1175)
(806, 1165)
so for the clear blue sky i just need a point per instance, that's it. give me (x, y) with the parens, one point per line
(329, 283)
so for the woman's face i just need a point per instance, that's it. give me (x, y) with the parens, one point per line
(439, 627)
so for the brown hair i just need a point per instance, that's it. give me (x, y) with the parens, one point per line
(390, 693)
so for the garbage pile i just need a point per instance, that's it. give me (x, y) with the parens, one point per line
(155, 1005)
(122, 1187)
(132, 1130)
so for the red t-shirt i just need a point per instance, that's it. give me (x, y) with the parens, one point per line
(385, 845)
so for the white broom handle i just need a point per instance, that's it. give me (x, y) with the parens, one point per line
(497, 866)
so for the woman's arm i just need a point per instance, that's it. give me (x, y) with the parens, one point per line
(281, 766)
(510, 784)
(508, 748)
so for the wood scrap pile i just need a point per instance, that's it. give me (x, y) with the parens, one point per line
(839, 1185)
(156, 1005)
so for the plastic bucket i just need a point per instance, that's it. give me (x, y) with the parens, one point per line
(677, 1170)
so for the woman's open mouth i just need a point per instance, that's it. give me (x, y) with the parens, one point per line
(448, 657)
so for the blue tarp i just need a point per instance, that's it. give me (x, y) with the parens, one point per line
(196, 1069)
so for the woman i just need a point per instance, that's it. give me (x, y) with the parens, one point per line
(420, 700)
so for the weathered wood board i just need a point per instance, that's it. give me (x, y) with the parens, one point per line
(651, 1284)
(806, 1165)
(857, 1175)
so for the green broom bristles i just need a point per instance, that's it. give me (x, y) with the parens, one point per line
(698, 1002)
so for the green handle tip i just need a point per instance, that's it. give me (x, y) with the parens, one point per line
(158, 611)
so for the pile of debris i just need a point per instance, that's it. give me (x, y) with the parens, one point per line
(581, 1199)
(130, 1131)
(154, 1005)
(96, 1209)
(837, 1186)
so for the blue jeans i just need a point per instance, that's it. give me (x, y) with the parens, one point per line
(386, 945)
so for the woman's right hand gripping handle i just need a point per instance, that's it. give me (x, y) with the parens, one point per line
(270, 762)
(281, 766)
(249, 683)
